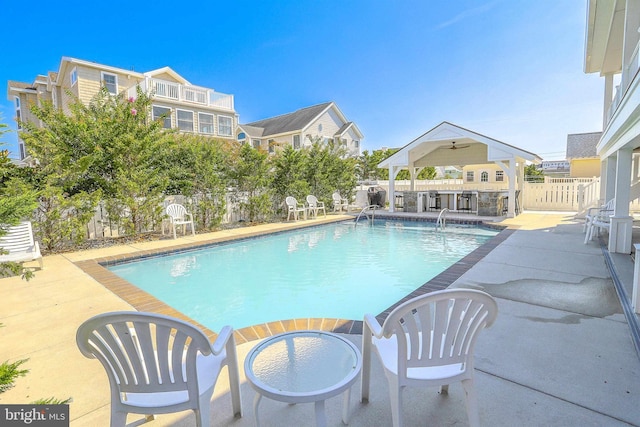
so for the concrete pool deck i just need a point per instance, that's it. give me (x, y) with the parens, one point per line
(560, 352)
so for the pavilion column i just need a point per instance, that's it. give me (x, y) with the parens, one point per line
(511, 171)
(621, 222)
(392, 187)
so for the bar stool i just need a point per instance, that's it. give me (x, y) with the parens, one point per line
(464, 201)
(434, 200)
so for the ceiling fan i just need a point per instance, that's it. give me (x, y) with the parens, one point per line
(455, 147)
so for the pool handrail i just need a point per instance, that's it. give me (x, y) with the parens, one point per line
(364, 210)
(442, 219)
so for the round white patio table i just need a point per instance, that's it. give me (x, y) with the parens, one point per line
(302, 367)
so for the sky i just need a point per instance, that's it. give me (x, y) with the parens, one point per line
(509, 69)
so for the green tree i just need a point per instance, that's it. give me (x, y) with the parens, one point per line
(199, 168)
(251, 178)
(288, 175)
(109, 146)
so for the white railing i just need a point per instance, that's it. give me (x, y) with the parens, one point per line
(185, 93)
(628, 75)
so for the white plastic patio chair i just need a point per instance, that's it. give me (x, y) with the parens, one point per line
(178, 215)
(157, 364)
(428, 341)
(593, 212)
(339, 202)
(315, 206)
(601, 220)
(19, 245)
(293, 208)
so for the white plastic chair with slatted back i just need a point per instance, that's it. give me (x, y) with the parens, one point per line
(339, 202)
(294, 208)
(178, 215)
(428, 341)
(157, 364)
(315, 206)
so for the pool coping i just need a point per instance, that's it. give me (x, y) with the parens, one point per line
(143, 301)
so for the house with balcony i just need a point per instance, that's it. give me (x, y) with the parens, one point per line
(301, 128)
(187, 107)
(611, 50)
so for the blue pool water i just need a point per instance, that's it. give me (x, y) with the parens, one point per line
(332, 271)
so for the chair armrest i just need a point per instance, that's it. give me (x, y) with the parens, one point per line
(221, 341)
(374, 325)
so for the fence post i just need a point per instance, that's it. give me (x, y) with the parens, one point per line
(580, 197)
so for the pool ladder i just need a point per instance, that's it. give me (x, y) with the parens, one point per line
(364, 211)
(442, 219)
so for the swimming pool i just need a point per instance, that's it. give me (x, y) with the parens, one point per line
(331, 271)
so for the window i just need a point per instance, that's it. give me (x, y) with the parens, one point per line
(54, 98)
(74, 76)
(18, 113)
(224, 126)
(242, 136)
(272, 146)
(110, 81)
(484, 176)
(356, 144)
(162, 113)
(470, 176)
(205, 123)
(185, 120)
(256, 143)
(499, 176)
(296, 142)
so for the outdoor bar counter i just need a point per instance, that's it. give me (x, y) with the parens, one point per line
(482, 202)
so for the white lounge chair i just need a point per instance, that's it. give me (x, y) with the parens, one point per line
(19, 245)
(178, 215)
(315, 206)
(428, 341)
(339, 202)
(293, 208)
(157, 364)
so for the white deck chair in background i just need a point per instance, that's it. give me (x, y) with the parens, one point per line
(339, 202)
(593, 212)
(293, 208)
(19, 244)
(178, 215)
(601, 220)
(315, 206)
(157, 364)
(428, 341)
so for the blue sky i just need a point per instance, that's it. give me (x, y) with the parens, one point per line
(509, 69)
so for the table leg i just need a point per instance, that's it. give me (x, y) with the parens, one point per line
(321, 419)
(345, 406)
(256, 402)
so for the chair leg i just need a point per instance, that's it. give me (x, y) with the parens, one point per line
(118, 419)
(366, 364)
(472, 402)
(174, 232)
(395, 396)
(204, 410)
(234, 377)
